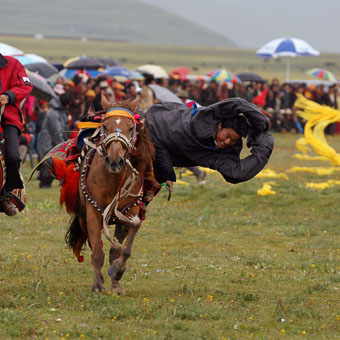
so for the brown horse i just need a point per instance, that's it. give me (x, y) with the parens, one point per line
(111, 190)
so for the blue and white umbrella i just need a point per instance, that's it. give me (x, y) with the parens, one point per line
(286, 47)
(116, 71)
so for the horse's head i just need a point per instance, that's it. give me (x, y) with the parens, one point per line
(118, 130)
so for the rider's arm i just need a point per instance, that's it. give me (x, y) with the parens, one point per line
(230, 108)
(235, 170)
(20, 85)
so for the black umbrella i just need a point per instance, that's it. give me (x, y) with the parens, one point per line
(107, 62)
(58, 66)
(248, 76)
(85, 64)
(41, 88)
(44, 69)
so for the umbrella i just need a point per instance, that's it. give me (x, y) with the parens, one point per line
(27, 59)
(182, 72)
(192, 77)
(223, 75)
(155, 70)
(9, 50)
(70, 60)
(286, 47)
(36, 58)
(323, 74)
(117, 71)
(85, 64)
(135, 75)
(248, 76)
(24, 60)
(44, 69)
(107, 62)
(69, 74)
(41, 88)
(163, 94)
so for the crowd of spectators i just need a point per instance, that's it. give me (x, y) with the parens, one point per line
(82, 94)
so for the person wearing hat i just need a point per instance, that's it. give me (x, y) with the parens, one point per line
(90, 96)
(210, 137)
(15, 86)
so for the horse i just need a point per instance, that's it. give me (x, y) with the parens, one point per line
(110, 191)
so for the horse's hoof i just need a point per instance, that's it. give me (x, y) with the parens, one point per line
(115, 273)
(117, 289)
(98, 288)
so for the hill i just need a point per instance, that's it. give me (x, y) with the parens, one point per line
(123, 20)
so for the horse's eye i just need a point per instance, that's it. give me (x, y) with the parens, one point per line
(131, 129)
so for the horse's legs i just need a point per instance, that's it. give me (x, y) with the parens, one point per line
(81, 238)
(120, 235)
(93, 219)
(118, 266)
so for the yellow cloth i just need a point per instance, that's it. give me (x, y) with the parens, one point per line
(316, 170)
(268, 173)
(318, 117)
(323, 185)
(266, 189)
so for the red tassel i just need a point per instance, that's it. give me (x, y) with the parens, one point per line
(70, 190)
(59, 168)
(80, 258)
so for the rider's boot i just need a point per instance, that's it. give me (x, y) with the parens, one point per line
(8, 206)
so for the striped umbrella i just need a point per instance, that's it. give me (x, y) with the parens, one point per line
(222, 74)
(286, 48)
(323, 74)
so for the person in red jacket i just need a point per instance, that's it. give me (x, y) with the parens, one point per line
(15, 86)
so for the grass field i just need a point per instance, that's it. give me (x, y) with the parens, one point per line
(216, 262)
(200, 59)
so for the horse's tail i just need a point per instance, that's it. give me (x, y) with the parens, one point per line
(75, 238)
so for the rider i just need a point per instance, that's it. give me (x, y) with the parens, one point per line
(210, 137)
(15, 86)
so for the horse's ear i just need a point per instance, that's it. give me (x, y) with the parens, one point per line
(105, 104)
(134, 104)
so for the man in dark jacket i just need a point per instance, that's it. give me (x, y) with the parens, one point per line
(15, 86)
(209, 137)
(53, 132)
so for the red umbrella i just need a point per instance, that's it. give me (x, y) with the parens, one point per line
(182, 72)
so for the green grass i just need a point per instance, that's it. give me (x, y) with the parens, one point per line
(215, 262)
(200, 59)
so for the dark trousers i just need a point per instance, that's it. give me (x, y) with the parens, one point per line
(12, 157)
(195, 170)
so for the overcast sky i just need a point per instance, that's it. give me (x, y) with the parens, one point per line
(252, 23)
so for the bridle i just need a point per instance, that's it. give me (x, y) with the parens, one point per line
(117, 136)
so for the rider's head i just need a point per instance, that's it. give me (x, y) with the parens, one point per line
(230, 131)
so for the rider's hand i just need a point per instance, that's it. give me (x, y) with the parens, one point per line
(3, 99)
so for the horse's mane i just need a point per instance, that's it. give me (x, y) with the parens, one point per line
(145, 150)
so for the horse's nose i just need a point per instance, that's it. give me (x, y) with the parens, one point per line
(115, 165)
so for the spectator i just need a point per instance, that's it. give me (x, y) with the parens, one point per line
(54, 130)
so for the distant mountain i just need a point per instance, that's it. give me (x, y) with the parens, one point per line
(126, 20)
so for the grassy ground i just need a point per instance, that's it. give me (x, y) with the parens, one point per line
(216, 262)
(200, 59)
